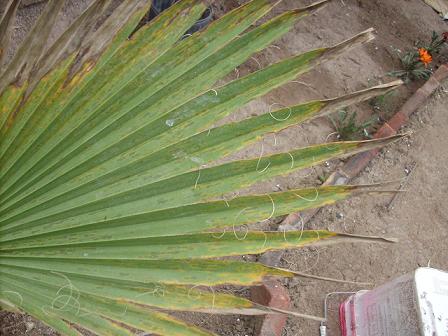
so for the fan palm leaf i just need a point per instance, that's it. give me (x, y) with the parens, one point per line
(112, 203)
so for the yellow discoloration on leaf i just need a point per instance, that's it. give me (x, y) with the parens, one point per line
(10, 109)
(33, 109)
(78, 77)
(8, 101)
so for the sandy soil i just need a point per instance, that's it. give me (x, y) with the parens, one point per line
(418, 217)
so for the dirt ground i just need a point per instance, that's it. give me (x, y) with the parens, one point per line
(418, 217)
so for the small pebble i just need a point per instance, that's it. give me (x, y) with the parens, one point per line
(29, 326)
(339, 215)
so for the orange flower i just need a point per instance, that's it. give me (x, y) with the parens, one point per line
(425, 56)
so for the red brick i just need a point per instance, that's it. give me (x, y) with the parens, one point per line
(384, 131)
(422, 94)
(442, 73)
(417, 99)
(272, 294)
(398, 121)
(358, 162)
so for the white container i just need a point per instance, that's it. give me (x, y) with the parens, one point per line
(414, 304)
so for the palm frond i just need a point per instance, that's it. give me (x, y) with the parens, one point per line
(112, 206)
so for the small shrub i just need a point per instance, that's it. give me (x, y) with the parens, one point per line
(347, 128)
(416, 63)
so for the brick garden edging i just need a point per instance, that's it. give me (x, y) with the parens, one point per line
(272, 293)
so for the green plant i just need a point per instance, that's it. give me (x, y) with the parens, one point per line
(109, 209)
(323, 177)
(383, 103)
(347, 128)
(415, 63)
(412, 67)
(435, 45)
